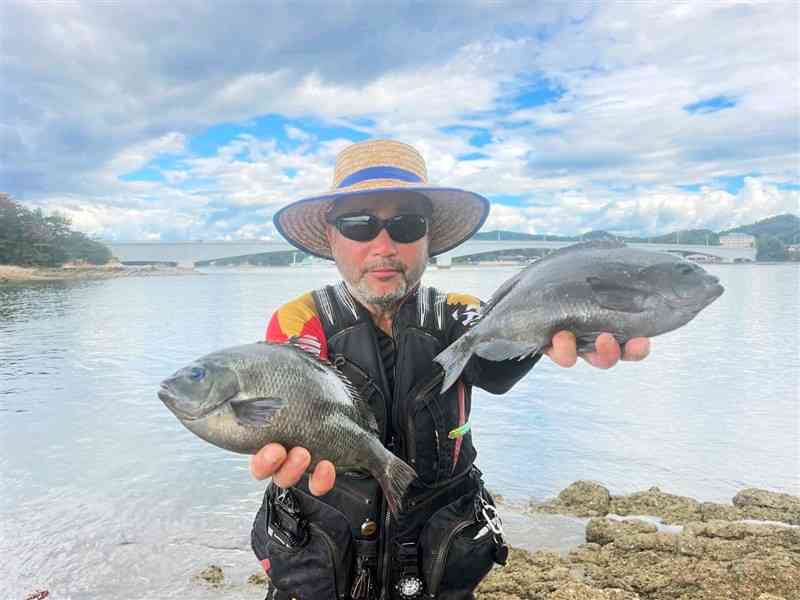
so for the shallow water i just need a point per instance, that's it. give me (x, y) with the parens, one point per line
(105, 494)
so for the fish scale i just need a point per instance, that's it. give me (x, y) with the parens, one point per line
(587, 288)
(245, 397)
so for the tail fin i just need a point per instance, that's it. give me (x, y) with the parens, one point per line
(453, 360)
(395, 480)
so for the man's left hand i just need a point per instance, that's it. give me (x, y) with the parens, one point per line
(563, 350)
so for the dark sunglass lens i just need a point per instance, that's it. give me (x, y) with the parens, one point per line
(360, 228)
(407, 228)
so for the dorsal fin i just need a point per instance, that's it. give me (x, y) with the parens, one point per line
(358, 401)
(501, 292)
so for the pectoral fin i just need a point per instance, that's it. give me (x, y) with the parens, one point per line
(612, 295)
(256, 412)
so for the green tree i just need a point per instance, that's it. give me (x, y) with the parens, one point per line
(29, 237)
(769, 247)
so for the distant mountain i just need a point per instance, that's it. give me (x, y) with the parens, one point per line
(785, 228)
(514, 236)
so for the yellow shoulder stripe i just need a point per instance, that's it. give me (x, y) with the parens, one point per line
(463, 299)
(293, 315)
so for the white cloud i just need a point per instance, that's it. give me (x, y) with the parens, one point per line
(127, 86)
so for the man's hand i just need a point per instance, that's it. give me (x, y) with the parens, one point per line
(287, 469)
(563, 351)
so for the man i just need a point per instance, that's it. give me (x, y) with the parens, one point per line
(320, 537)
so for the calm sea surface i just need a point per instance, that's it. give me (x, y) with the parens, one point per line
(104, 494)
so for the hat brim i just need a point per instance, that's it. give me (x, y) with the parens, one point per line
(456, 216)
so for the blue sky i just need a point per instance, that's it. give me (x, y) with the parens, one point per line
(192, 121)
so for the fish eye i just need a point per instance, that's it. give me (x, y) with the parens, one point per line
(197, 373)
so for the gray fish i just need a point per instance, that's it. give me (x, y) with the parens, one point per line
(245, 397)
(587, 288)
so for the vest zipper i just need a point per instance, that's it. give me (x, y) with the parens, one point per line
(411, 450)
(338, 575)
(440, 558)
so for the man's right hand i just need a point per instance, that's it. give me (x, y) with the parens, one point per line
(286, 469)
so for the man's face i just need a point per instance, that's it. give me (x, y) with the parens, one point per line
(381, 271)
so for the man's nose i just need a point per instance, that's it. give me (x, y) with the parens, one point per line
(383, 244)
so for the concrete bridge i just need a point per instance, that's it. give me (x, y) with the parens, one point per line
(191, 252)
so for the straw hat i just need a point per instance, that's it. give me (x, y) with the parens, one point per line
(377, 167)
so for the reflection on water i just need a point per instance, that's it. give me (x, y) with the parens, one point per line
(105, 493)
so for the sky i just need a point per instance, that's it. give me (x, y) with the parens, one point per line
(199, 120)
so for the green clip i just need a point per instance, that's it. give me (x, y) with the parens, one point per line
(459, 431)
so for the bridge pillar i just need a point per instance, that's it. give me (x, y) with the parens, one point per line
(444, 262)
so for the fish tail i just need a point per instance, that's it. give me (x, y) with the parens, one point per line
(453, 360)
(395, 480)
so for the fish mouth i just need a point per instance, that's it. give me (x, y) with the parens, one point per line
(177, 405)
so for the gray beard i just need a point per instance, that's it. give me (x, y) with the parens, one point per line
(386, 301)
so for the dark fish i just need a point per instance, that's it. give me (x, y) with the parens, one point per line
(588, 289)
(245, 397)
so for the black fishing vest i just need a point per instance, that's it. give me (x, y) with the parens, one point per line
(415, 422)
(442, 538)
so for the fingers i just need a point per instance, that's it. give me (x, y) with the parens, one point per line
(322, 479)
(636, 349)
(285, 469)
(607, 352)
(562, 350)
(267, 460)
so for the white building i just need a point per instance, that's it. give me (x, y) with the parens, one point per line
(737, 240)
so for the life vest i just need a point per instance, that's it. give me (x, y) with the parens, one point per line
(429, 430)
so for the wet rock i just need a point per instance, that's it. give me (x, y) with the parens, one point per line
(716, 560)
(581, 499)
(604, 531)
(212, 575)
(768, 506)
(712, 511)
(654, 502)
(527, 576)
(580, 591)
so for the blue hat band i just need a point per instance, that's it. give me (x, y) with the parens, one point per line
(379, 173)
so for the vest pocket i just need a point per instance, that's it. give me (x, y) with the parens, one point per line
(438, 434)
(321, 569)
(456, 549)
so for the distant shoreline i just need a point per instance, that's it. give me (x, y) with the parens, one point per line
(12, 274)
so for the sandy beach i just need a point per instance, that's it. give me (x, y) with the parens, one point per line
(12, 274)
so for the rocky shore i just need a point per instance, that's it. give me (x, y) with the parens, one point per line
(10, 274)
(711, 551)
(649, 545)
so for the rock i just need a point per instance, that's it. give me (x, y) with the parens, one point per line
(580, 499)
(580, 591)
(711, 511)
(527, 576)
(654, 502)
(212, 575)
(769, 506)
(625, 560)
(604, 531)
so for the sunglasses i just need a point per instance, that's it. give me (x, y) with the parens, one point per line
(403, 229)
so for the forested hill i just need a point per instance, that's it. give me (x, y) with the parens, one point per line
(785, 228)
